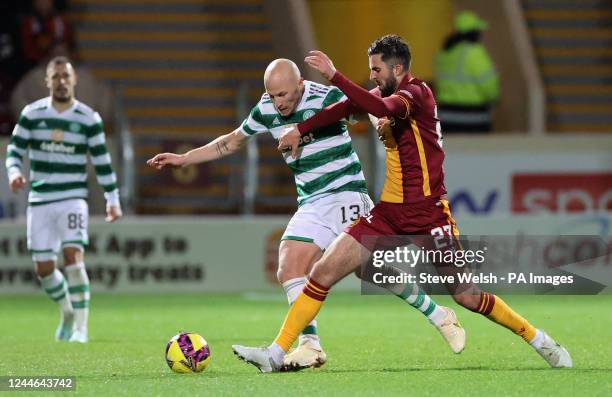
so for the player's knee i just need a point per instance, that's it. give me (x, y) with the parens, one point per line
(288, 270)
(285, 271)
(281, 274)
(43, 269)
(295, 259)
(72, 255)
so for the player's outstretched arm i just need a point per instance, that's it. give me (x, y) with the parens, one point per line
(220, 147)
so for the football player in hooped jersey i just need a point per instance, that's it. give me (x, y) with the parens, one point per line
(412, 201)
(57, 133)
(331, 193)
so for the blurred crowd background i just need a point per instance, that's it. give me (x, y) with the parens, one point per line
(531, 77)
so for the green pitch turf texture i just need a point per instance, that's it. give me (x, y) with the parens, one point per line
(376, 346)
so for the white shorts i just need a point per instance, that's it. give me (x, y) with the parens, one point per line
(322, 220)
(54, 226)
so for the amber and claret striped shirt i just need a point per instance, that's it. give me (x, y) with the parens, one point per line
(414, 152)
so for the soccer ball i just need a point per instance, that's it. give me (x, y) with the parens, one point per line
(187, 352)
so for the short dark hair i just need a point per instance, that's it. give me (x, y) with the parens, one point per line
(392, 47)
(59, 60)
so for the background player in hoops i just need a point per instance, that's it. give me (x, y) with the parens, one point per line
(412, 202)
(57, 133)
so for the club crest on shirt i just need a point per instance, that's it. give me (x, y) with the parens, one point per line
(57, 135)
(308, 114)
(74, 127)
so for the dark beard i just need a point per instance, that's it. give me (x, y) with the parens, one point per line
(389, 88)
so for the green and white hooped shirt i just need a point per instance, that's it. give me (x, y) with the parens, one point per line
(327, 163)
(57, 145)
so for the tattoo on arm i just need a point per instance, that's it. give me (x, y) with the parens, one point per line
(221, 147)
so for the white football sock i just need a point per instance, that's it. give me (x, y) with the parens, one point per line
(537, 340)
(417, 298)
(56, 288)
(78, 285)
(277, 353)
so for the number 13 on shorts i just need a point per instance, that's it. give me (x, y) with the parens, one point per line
(350, 213)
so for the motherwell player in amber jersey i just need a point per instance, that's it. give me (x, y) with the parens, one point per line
(410, 130)
(413, 143)
(412, 202)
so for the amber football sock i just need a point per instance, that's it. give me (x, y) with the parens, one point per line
(303, 311)
(495, 309)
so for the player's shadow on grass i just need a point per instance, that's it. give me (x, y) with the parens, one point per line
(221, 373)
(474, 368)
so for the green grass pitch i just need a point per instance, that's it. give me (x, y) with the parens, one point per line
(376, 346)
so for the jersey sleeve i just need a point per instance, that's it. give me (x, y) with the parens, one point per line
(412, 96)
(367, 101)
(331, 114)
(17, 147)
(101, 160)
(254, 123)
(334, 96)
